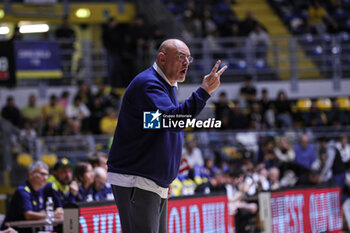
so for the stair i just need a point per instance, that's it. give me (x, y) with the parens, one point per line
(265, 14)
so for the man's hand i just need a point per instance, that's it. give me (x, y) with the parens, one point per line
(212, 80)
(59, 213)
(74, 188)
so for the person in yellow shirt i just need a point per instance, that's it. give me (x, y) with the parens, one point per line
(316, 16)
(53, 109)
(109, 122)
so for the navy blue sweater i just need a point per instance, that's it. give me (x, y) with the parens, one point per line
(153, 154)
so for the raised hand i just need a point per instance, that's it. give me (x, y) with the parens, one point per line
(212, 80)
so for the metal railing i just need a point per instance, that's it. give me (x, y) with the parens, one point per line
(284, 58)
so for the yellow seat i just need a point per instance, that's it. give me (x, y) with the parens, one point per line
(24, 159)
(324, 104)
(49, 159)
(304, 105)
(344, 102)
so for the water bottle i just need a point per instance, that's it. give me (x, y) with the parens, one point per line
(49, 215)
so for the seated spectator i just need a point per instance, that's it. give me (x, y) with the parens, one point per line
(84, 92)
(274, 178)
(97, 110)
(256, 117)
(223, 111)
(238, 119)
(109, 122)
(248, 91)
(258, 42)
(193, 154)
(64, 100)
(11, 113)
(284, 151)
(84, 175)
(53, 109)
(316, 15)
(305, 152)
(266, 109)
(61, 186)
(27, 202)
(283, 111)
(31, 112)
(267, 154)
(98, 159)
(314, 117)
(79, 112)
(102, 189)
(248, 24)
(320, 165)
(49, 127)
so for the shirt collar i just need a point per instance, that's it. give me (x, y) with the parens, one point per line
(160, 72)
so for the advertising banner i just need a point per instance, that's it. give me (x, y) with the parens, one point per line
(195, 214)
(302, 210)
(38, 59)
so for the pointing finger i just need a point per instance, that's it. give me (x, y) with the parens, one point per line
(219, 73)
(216, 66)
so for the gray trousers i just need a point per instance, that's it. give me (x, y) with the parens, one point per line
(140, 211)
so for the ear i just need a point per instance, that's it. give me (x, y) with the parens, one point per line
(161, 57)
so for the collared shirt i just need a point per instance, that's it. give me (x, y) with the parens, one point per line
(24, 199)
(160, 72)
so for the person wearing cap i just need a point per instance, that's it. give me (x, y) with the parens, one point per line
(61, 186)
(27, 202)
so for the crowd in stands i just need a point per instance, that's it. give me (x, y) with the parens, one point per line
(248, 111)
(280, 162)
(67, 183)
(87, 112)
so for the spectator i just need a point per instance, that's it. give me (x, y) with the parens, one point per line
(230, 27)
(222, 110)
(11, 113)
(109, 122)
(274, 178)
(256, 117)
(305, 152)
(320, 165)
(266, 109)
(113, 42)
(78, 111)
(84, 175)
(102, 189)
(66, 38)
(267, 154)
(64, 100)
(27, 202)
(61, 186)
(239, 120)
(314, 117)
(54, 110)
(50, 128)
(316, 15)
(193, 154)
(283, 111)
(31, 112)
(248, 24)
(84, 92)
(98, 159)
(248, 91)
(97, 111)
(284, 151)
(258, 42)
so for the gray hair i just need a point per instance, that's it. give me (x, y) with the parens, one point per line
(37, 164)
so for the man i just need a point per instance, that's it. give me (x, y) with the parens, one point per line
(60, 185)
(143, 163)
(27, 202)
(305, 153)
(102, 189)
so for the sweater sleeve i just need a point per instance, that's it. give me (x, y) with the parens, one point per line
(158, 98)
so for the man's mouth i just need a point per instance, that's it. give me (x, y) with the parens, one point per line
(183, 71)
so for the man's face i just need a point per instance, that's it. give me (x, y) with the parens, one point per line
(176, 63)
(64, 175)
(100, 182)
(39, 177)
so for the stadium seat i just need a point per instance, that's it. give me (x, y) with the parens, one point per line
(304, 105)
(24, 159)
(344, 102)
(49, 159)
(324, 104)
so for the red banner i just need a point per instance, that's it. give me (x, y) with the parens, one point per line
(306, 210)
(197, 214)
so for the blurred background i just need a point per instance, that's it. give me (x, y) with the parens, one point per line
(283, 102)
